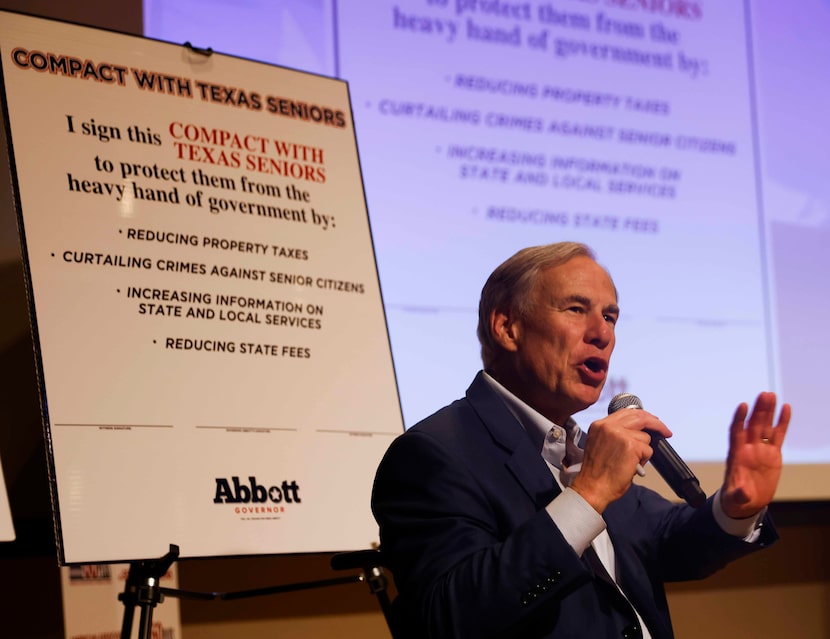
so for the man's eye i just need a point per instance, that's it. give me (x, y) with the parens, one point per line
(611, 318)
(576, 309)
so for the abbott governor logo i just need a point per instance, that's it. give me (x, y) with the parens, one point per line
(253, 500)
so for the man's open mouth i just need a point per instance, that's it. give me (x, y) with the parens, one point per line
(595, 365)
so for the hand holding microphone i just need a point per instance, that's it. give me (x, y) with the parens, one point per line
(664, 458)
(615, 448)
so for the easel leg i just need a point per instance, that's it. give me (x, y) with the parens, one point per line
(142, 589)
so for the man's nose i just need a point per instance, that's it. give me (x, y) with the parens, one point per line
(599, 331)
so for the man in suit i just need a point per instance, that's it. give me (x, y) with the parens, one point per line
(499, 517)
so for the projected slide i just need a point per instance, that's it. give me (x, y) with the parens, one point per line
(656, 133)
(541, 125)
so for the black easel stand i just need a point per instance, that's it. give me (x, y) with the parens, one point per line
(371, 564)
(142, 587)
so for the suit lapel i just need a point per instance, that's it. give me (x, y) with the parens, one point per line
(523, 462)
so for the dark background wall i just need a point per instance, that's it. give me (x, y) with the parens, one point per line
(784, 592)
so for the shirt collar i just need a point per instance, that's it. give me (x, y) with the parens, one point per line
(535, 424)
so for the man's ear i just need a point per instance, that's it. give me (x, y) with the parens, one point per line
(505, 328)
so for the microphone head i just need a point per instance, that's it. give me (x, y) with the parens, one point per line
(624, 400)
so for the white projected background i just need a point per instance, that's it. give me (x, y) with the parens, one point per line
(686, 148)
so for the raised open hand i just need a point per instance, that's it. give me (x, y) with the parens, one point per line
(753, 465)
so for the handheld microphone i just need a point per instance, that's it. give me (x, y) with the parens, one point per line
(667, 462)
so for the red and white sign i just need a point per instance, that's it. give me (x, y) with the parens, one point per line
(215, 358)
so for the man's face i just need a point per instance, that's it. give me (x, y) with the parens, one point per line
(561, 349)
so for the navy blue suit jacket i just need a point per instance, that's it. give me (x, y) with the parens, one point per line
(460, 499)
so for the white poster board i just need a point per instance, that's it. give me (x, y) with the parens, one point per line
(216, 369)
